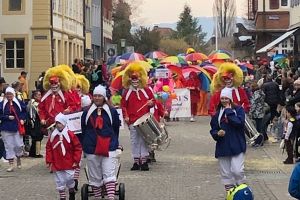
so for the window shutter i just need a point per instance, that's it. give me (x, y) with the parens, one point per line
(274, 4)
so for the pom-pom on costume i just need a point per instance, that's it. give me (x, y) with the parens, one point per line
(136, 101)
(58, 97)
(231, 76)
(63, 154)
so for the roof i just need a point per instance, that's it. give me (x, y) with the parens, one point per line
(277, 41)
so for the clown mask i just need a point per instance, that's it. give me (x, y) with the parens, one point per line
(135, 80)
(227, 79)
(54, 84)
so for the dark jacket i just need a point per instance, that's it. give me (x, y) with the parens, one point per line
(272, 92)
(295, 99)
(234, 141)
(294, 184)
(88, 137)
(6, 123)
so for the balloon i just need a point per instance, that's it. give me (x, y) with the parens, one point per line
(164, 96)
(159, 84)
(166, 88)
(173, 96)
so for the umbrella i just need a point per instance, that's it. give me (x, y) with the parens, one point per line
(193, 68)
(246, 65)
(173, 60)
(182, 55)
(175, 69)
(156, 55)
(115, 70)
(115, 60)
(132, 56)
(194, 57)
(210, 69)
(278, 57)
(144, 64)
(153, 62)
(221, 51)
(219, 56)
(116, 83)
(205, 82)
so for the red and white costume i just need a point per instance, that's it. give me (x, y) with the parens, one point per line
(63, 153)
(158, 111)
(53, 103)
(132, 101)
(239, 97)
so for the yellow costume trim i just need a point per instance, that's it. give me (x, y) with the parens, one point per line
(135, 67)
(83, 83)
(217, 82)
(64, 78)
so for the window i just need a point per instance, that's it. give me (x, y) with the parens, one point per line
(15, 5)
(59, 6)
(284, 2)
(15, 53)
(274, 4)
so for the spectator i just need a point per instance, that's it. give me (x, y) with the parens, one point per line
(76, 66)
(257, 106)
(296, 94)
(24, 84)
(2, 84)
(272, 92)
(294, 184)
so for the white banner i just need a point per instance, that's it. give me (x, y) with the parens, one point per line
(74, 122)
(181, 106)
(121, 118)
(162, 73)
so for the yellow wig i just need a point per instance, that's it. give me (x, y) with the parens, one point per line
(190, 50)
(134, 67)
(83, 83)
(217, 82)
(64, 78)
(71, 74)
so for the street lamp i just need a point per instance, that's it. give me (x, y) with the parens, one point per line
(123, 45)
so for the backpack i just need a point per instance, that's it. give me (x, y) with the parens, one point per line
(95, 76)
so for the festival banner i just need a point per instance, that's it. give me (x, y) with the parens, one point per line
(162, 73)
(181, 106)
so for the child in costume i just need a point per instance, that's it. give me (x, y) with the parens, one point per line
(137, 100)
(193, 84)
(227, 129)
(63, 154)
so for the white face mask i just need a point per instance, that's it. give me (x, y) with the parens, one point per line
(55, 87)
(135, 82)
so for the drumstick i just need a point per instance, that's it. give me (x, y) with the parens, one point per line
(142, 106)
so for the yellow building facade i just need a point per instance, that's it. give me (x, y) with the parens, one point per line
(39, 34)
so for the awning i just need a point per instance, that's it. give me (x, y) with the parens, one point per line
(275, 42)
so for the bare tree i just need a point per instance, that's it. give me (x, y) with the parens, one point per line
(225, 12)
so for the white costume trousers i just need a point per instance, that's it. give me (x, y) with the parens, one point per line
(139, 148)
(101, 170)
(13, 143)
(232, 169)
(64, 179)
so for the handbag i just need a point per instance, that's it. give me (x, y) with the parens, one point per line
(282, 144)
(102, 143)
(21, 127)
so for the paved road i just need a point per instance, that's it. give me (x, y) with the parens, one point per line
(187, 170)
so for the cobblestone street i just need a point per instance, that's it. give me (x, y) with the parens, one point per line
(187, 170)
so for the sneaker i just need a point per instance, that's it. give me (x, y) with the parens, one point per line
(145, 167)
(192, 119)
(19, 165)
(11, 168)
(135, 167)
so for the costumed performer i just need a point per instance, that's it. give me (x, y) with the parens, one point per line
(193, 84)
(229, 75)
(227, 129)
(136, 101)
(100, 141)
(63, 154)
(12, 116)
(57, 98)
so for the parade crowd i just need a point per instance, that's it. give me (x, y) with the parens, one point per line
(262, 91)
